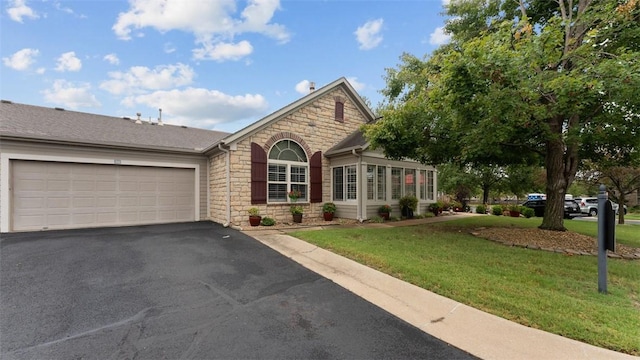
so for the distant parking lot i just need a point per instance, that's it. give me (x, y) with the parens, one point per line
(189, 291)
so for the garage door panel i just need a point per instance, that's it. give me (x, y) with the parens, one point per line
(111, 217)
(106, 185)
(108, 202)
(58, 185)
(84, 185)
(84, 218)
(58, 203)
(31, 203)
(84, 202)
(58, 220)
(48, 195)
(29, 185)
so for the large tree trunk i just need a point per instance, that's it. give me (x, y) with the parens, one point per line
(561, 164)
(485, 194)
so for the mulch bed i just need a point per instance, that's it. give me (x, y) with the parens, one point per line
(567, 242)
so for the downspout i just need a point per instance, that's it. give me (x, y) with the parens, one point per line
(358, 194)
(228, 184)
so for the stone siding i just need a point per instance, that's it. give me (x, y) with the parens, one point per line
(314, 126)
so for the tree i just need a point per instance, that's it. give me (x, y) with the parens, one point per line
(547, 82)
(624, 180)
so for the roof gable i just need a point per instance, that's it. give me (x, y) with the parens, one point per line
(28, 122)
(305, 100)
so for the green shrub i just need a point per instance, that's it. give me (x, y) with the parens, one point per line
(635, 209)
(409, 201)
(267, 221)
(376, 219)
(481, 209)
(496, 210)
(528, 212)
(329, 207)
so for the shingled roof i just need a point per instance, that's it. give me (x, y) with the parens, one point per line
(28, 122)
(355, 141)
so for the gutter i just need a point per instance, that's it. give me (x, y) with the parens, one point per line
(101, 145)
(358, 194)
(228, 183)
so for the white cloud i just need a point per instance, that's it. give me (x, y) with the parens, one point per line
(439, 36)
(212, 23)
(358, 86)
(68, 62)
(22, 59)
(112, 59)
(368, 35)
(223, 51)
(19, 10)
(202, 108)
(41, 71)
(140, 78)
(71, 95)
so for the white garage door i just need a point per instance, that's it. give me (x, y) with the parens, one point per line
(51, 195)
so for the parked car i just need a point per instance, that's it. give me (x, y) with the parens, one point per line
(589, 205)
(571, 208)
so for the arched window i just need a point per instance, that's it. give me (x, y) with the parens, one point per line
(288, 171)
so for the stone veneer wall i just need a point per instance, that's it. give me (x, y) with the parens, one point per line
(315, 124)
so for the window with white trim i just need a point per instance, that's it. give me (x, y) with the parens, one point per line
(409, 182)
(423, 184)
(345, 183)
(376, 182)
(288, 170)
(396, 183)
(430, 185)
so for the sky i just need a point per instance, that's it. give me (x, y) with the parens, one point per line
(211, 64)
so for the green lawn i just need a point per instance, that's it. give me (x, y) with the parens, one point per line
(540, 289)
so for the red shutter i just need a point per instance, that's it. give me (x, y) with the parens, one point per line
(339, 111)
(316, 177)
(258, 174)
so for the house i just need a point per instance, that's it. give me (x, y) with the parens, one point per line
(62, 169)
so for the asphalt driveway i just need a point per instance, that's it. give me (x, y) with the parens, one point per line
(184, 291)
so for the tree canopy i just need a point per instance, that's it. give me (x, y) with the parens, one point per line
(548, 82)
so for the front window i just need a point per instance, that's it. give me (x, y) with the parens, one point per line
(288, 170)
(409, 182)
(345, 183)
(423, 184)
(396, 183)
(376, 182)
(430, 185)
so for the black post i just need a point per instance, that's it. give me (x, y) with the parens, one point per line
(602, 251)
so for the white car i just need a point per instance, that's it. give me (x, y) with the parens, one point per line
(589, 205)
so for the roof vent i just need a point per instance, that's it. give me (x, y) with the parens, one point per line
(138, 121)
(126, 118)
(312, 87)
(59, 109)
(184, 126)
(160, 117)
(6, 102)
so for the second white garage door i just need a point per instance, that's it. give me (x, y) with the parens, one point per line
(52, 195)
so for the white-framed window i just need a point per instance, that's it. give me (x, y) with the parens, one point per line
(382, 183)
(396, 183)
(345, 183)
(288, 169)
(376, 182)
(423, 184)
(430, 195)
(409, 182)
(371, 182)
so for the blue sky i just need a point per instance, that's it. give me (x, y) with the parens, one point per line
(214, 64)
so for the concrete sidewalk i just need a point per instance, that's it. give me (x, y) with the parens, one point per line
(479, 333)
